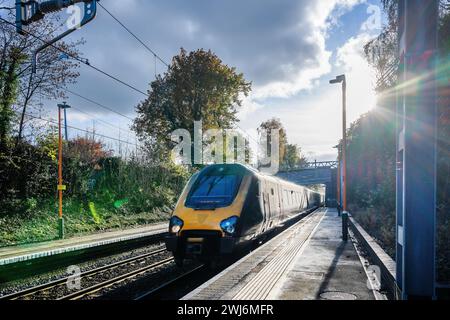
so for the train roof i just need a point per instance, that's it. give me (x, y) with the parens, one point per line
(260, 174)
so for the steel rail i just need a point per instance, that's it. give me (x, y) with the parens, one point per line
(50, 285)
(102, 285)
(169, 283)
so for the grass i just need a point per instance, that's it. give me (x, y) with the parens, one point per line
(40, 221)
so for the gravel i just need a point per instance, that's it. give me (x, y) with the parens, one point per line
(23, 284)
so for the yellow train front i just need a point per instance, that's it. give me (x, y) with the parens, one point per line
(225, 207)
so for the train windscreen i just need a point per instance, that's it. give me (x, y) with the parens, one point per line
(214, 188)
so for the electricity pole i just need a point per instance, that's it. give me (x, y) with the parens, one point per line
(61, 187)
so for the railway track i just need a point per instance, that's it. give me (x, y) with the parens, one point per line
(58, 289)
(175, 288)
(98, 279)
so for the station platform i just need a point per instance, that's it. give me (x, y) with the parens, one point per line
(308, 261)
(23, 253)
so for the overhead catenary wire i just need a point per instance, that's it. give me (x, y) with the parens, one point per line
(156, 56)
(129, 118)
(87, 63)
(92, 101)
(134, 35)
(101, 120)
(83, 61)
(54, 121)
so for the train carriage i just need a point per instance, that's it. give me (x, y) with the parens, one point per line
(224, 207)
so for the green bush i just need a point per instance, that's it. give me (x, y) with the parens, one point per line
(103, 192)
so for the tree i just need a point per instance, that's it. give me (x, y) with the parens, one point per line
(293, 157)
(197, 86)
(266, 128)
(9, 64)
(55, 71)
(87, 151)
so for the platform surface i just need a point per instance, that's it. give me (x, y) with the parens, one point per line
(309, 261)
(14, 254)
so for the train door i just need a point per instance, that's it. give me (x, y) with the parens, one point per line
(272, 207)
(266, 207)
(307, 200)
(280, 204)
(269, 208)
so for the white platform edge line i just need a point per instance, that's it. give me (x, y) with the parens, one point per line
(45, 253)
(293, 246)
(193, 293)
(299, 252)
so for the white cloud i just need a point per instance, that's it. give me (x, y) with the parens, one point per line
(320, 18)
(279, 45)
(313, 119)
(360, 76)
(249, 106)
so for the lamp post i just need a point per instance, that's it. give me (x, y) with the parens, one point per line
(338, 181)
(342, 79)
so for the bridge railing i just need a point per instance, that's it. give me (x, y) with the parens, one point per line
(313, 165)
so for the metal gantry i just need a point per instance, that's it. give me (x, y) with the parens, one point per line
(416, 148)
(29, 11)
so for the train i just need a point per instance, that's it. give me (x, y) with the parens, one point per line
(225, 207)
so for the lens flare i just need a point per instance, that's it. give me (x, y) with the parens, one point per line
(94, 212)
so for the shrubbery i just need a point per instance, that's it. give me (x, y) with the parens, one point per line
(103, 191)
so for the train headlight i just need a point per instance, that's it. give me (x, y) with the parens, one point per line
(229, 225)
(175, 224)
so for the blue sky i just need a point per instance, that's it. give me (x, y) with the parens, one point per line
(288, 49)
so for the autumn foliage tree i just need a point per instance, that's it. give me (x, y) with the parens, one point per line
(86, 150)
(293, 157)
(197, 86)
(267, 127)
(290, 154)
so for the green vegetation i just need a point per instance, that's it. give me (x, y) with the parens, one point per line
(103, 192)
(290, 154)
(197, 87)
(39, 221)
(371, 175)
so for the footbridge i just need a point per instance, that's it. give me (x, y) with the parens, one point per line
(314, 173)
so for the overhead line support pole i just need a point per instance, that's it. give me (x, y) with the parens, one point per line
(61, 187)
